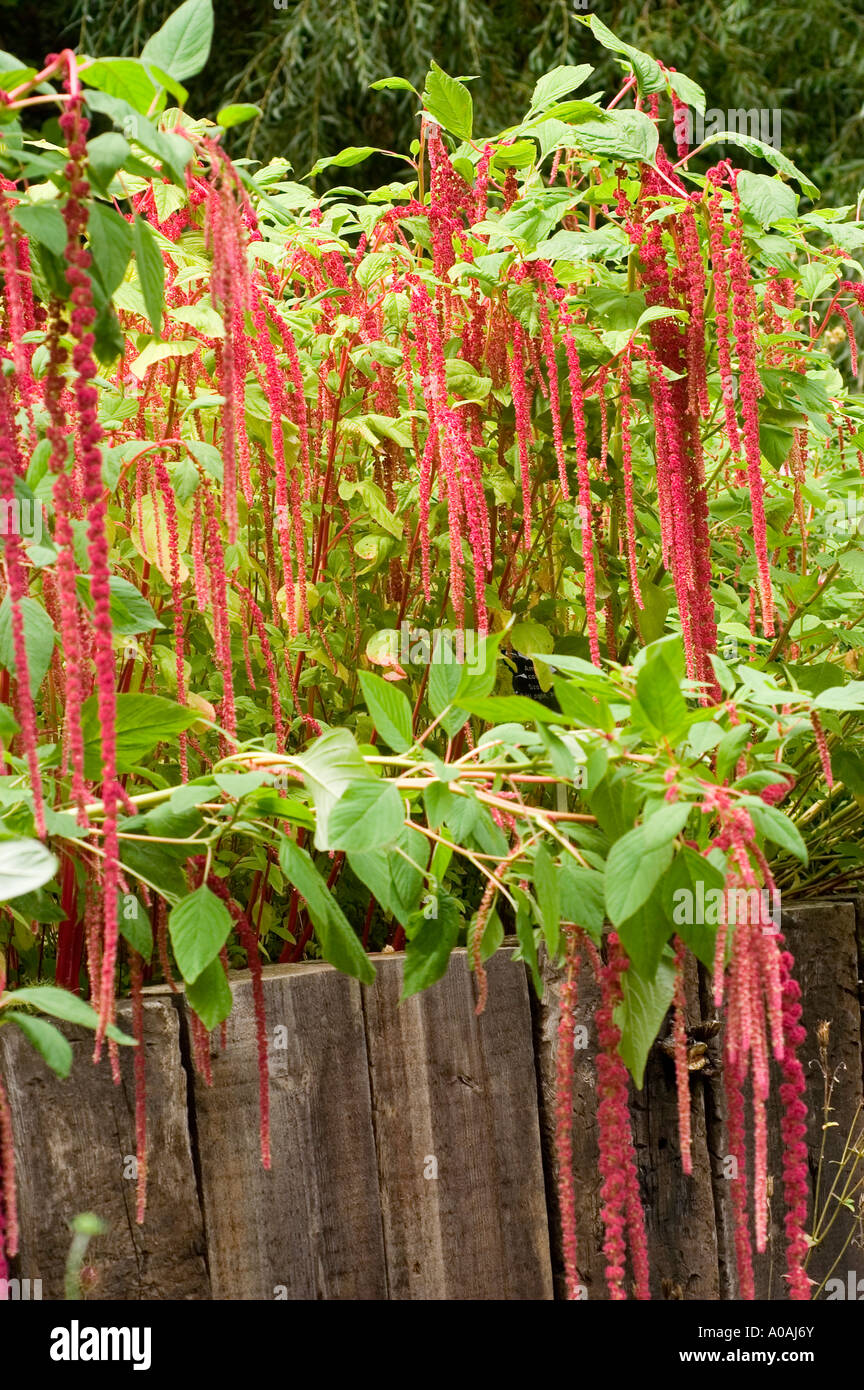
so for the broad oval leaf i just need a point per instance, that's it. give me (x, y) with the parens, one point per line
(24, 866)
(199, 926)
(182, 46)
(369, 815)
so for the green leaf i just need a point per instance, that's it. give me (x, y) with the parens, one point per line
(151, 272)
(131, 612)
(687, 90)
(548, 899)
(582, 898)
(632, 870)
(24, 866)
(427, 953)
(685, 891)
(373, 499)
(730, 748)
(48, 1041)
(329, 766)
(845, 697)
(765, 198)
(397, 84)
(644, 935)
(390, 711)
(199, 926)
(142, 722)
(59, 1003)
(449, 102)
(339, 942)
(135, 926)
(39, 638)
(126, 78)
(516, 709)
(445, 677)
(649, 74)
(237, 113)
(173, 150)
(393, 883)
(43, 222)
(182, 46)
(779, 829)
(345, 159)
(477, 677)
(629, 135)
(527, 940)
(641, 1014)
(759, 149)
(557, 84)
(106, 154)
(369, 815)
(110, 238)
(665, 822)
(210, 995)
(239, 784)
(661, 700)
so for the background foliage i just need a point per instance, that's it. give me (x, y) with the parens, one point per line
(310, 64)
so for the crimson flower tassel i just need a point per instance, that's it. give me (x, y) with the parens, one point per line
(136, 979)
(749, 389)
(822, 746)
(75, 213)
(624, 407)
(577, 404)
(8, 1198)
(794, 1133)
(17, 578)
(621, 1203)
(565, 1067)
(163, 481)
(682, 1071)
(519, 388)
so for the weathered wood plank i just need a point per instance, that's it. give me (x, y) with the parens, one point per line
(457, 1134)
(75, 1150)
(679, 1210)
(310, 1228)
(822, 938)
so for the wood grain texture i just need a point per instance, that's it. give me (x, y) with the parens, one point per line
(74, 1140)
(310, 1228)
(679, 1210)
(456, 1095)
(822, 938)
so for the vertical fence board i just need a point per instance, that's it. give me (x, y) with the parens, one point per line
(310, 1228)
(822, 938)
(457, 1134)
(679, 1210)
(74, 1140)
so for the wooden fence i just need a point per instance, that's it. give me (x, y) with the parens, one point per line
(412, 1143)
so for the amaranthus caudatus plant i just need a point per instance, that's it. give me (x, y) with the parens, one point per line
(555, 388)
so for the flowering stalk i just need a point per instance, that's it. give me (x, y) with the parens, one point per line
(75, 214)
(565, 1067)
